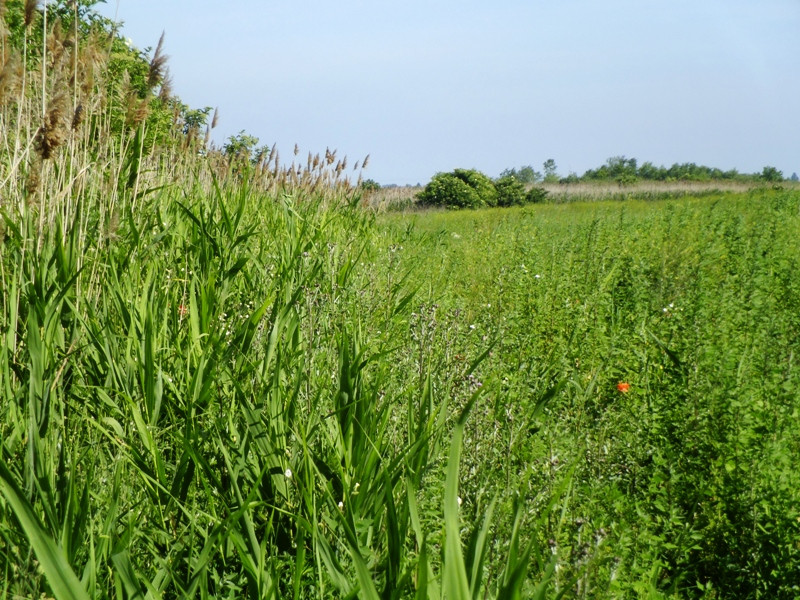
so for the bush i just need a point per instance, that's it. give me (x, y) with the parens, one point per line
(536, 195)
(462, 188)
(510, 191)
(370, 185)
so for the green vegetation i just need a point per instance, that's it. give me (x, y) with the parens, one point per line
(221, 377)
(462, 188)
(627, 171)
(467, 188)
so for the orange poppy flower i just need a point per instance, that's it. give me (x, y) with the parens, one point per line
(624, 387)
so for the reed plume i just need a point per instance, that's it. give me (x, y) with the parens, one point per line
(165, 93)
(157, 64)
(77, 117)
(10, 79)
(55, 129)
(30, 11)
(34, 178)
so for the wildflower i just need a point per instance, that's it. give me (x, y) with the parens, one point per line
(288, 473)
(624, 387)
(182, 310)
(459, 500)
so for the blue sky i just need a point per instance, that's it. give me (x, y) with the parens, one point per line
(430, 85)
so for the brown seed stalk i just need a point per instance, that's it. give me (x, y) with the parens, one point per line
(10, 79)
(30, 11)
(157, 64)
(55, 129)
(77, 117)
(34, 178)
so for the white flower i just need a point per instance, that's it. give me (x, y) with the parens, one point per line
(458, 498)
(288, 473)
(537, 276)
(341, 505)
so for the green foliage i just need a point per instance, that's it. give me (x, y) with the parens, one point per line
(510, 191)
(461, 188)
(625, 171)
(524, 174)
(682, 484)
(370, 185)
(550, 171)
(536, 195)
(771, 174)
(240, 146)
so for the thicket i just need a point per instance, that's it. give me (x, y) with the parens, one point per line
(468, 188)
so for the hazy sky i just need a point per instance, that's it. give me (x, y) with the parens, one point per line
(430, 85)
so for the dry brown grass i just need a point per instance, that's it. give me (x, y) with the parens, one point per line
(404, 197)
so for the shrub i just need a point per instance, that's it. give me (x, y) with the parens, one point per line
(510, 191)
(536, 195)
(462, 188)
(370, 185)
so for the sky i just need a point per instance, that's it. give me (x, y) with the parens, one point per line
(425, 86)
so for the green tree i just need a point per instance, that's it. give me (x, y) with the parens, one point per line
(525, 174)
(240, 146)
(771, 174)
(370, 185)
(550, 171)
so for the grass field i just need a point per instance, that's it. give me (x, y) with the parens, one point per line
(229, 394)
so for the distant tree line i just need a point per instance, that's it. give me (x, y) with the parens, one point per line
(468, 188)
(625, 170)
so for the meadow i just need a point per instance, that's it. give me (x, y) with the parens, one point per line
(236, 394)
(226, 376)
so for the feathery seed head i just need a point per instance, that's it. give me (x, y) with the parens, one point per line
(34, 178)
(165, 93)
(10, 79)
(157, 64)
(77, 117)
(30, 11)
(55, 129)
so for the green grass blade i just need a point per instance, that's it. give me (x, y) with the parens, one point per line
(62, 579)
